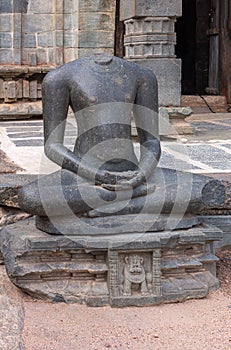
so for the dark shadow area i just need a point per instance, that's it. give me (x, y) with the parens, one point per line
(193, 45)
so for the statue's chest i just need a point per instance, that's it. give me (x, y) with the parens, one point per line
(88, 91)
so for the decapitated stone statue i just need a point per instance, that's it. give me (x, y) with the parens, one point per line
(103, 161)
(111, 203)
(102, 175)
(134, 273)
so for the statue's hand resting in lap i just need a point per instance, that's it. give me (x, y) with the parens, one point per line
(122, 180)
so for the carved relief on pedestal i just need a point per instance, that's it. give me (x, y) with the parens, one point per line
(134, 273)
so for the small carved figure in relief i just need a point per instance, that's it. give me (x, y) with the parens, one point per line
(134, 272)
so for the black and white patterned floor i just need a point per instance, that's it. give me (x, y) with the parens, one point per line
(23, 143)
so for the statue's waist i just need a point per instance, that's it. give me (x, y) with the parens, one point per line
(110, 150)
(119, 165)
(109, 162)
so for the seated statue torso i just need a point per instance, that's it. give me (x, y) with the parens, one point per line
(103, 92)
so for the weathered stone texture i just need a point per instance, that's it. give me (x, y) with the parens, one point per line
(169, 266)
(38, 34)
(11, 215)
(70, 39)
(20, 89)
(223, 222)
(20, 6)
(39, 6)
(44, 25)
(10, 184)
(89, 39)
(97, 5)
(29, 40)
(144, 49)
(5, 40)
(178, 122)
(45, 39)
(6, 56)
(150, 40)
(157, 8)
(6, 22)
(90, 51)
(35, 23)
(17, 41)
(6, 6)
(96, 25)
(95, 20)
(168, 73)
(160, 25)
(11, 315)
(46, 34)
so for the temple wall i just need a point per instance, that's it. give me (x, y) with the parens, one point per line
(96, 26)
(41, 32)
(38, 35)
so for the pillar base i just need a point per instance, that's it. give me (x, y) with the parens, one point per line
(168, 74)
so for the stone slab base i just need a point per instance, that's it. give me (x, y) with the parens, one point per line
(223, 222)
(120, 270)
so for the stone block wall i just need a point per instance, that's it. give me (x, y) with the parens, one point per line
(96, 26)
(41, 32)
(10, 30)
(38, 35)
(44, 32)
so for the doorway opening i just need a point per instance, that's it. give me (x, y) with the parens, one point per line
(119, 33)
(193, 46)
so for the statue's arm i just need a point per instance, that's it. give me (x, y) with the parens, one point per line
(147, 123)
(56, 100)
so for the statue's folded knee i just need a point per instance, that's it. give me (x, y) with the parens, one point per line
(29, 200)
(23, 198)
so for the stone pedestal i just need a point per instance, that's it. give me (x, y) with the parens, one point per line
(120, 270)
(150, 40)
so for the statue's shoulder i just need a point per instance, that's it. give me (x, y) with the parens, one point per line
(141, 71)
(64, 73)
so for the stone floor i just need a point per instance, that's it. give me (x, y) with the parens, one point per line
(207, 151)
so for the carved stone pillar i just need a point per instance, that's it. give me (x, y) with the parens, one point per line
(150, 40)
(150, 37)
